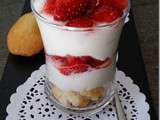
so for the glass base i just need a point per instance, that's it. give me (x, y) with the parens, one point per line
(87, 111)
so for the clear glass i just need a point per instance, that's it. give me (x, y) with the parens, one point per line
(81, 63)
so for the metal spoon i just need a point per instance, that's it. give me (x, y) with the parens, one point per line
(119, 109)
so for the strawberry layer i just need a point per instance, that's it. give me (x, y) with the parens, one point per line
(83, 81)
(69, 65)
(75, 12)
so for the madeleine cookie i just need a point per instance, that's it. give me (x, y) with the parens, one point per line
(24, 37)
(94, 94)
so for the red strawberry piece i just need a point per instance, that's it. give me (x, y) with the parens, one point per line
(119, 4)
(69, 9)
(85, 59)
(81, 22)
(91, 6)
(95, 63)
(105, 2)
(59, 61)
(106, 14)
(107, 62)
(73, 69)
(49, 7)
(54, 58)
(68, 65)
(71, 60)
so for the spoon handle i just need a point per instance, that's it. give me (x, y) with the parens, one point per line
(119, 109)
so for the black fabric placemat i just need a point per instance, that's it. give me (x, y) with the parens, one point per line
(18, 69)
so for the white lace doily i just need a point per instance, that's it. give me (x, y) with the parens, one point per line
(30, 103)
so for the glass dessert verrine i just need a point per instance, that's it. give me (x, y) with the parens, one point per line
(80, 49)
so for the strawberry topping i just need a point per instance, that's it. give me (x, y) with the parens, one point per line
(49, 7)
(91, 6)
(119, 4)
(105, 2)
(69, 9)
(77, 12)
(81, 22)
(106, 14)
(68, 65)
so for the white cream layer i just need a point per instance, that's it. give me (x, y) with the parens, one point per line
(98, 43)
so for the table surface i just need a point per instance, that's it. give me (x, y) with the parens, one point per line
(129, 48)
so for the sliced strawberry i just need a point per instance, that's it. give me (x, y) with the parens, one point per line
(73, 64)
(71, 60)
(64, 61)
(69, 9)
(81, 22)
(85, 59)
(119, 4)
(73, 69)
(80, 68)
(55, 57)
(105, 2)
(49, 7)
(106, 14)
(95, 63)
(107, 62)
(59, 61)
(91, 6)
(102, 64)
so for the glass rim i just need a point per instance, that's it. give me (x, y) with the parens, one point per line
(44, 19)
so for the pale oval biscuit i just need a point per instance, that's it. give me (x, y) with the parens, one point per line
(24, 37)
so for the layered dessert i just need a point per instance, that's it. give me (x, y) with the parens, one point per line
(80, 38)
